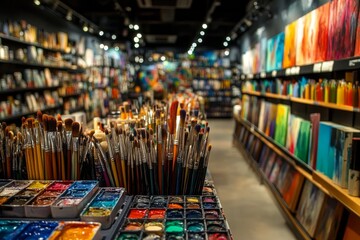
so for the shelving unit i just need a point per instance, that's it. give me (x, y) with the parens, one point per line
(17, 117)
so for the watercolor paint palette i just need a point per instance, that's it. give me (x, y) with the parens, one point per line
(14, 206)
(13, 230)
(174, 217)
(40, 206)
(104, 206)
(72, 201)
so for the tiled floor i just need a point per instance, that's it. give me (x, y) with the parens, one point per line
(250, 210)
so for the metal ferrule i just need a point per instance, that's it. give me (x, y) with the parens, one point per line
(37, 135)
(111, 153)
(68, 139)
(59, 143)
(143, 151)
(52, 141)
(190, 157)
(75, 144)
(170, 146)
(7, 147)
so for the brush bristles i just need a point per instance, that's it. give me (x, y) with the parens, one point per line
(75, 129)
(51, 124)
(3, 126)
(39, 116)
(91, 133)
(59, 117)
(68, 124)
(59, 126)
(172, 119)
(182, 116)
(45, 122)
(106, 131)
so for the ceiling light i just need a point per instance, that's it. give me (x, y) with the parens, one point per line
(91, 29)
(141, 60)
(101, 33)
(136, 45)
(139, 35)
(136, 39)
(226, 52)
(85, 28)
(113, 37)
(225, 44)
(69, 15)
(204, 26)
(106, 47)
(200, 40)
(194, 45)
(101, 46)
(150, 59)
(117, 48)
(137, 59)
(37, 2)
(131, 26)
(228, 38)
(255, 3)
(202, 33)
(136, 27)
(189, 52)
(163, 58)
(128, 9)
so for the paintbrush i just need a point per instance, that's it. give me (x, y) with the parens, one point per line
(85, 157)
(130, 166)
(196, 164)
(159, 147)
(2, 149)
(204, 169)
(139, 170)
(104, 149)
(170, 142)
(117, 158)
(153, 161)
(179, 159)
(47, 149)
(68, 132)
(39, 118)
(164, 184)
(52, 144)
(38, 150)
(122, 151)
(112, 160)
(100, 155)
(144, 164)
(75, 133)
(59, 151)
(9, 137)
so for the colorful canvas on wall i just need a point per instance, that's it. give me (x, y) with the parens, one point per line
(310, 36)
(321, 41)
(263, 48)
(302, 144)
(352, 230)
(270, 54)
(289, 58)
(256, 58)
(300, 51)
(279, 50)
(291, 189)
(332, 30)
(293, 132)
(310, 206)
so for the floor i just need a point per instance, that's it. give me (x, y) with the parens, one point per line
(249, 208)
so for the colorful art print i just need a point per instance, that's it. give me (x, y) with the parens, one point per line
(310, 205)
(270, 54)
(289, 59)
(281, 124)
(321, 41)
(310, 36)
(330, 219)
(275, 170)
(293, 132)
(300, 47)
(282, 178)
(263, 157)
(256, 58)
(270, 164)
(303, 141)
(291, 188)
(352, 230)
(279, 50)
(263, 48)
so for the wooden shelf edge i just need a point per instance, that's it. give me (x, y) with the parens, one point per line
(352, 203)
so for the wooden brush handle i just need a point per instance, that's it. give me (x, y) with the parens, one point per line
(48, 166)
(54, 165)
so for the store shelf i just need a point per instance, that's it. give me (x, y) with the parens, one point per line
(304, 101)
(25, 43)
(17, 116)
(72, 95)
(347, 64)
(24, 90)
(78, 109)
(37, 65)
(341, 194)
(325, 184)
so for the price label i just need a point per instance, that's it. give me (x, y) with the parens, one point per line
(317, 67)
(250, 76)
(298, 70)
(327, 66)
(263, 74)
(293, 71)
(274, 73)
(354, 62)
(288, 72)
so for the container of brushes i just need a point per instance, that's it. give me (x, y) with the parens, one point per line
(104, 207)
(15, 205)
(39, 207)
(72, 201)
(77, 230)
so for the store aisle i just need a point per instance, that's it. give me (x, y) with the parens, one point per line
(250, 210)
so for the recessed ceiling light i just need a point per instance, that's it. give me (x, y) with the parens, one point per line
(204, 26)
(139, 35)
(131, 26)
(200, 40)
(136, 45)
(101, 33)
(163, 58)
(85, 28)
(37, 2)
(225, 44)
(202, 33)
(141, 60)
(226, 52)
(69, 15)
(136, 39)
(194, 45)
(128, 9)
(113, 37)
(228, 38)
(101, 46)
(150, 59)
(137, 59)
(106, 47)
(189, 52)
(136, 27)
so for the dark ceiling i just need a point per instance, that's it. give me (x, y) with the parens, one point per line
(165, 23)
